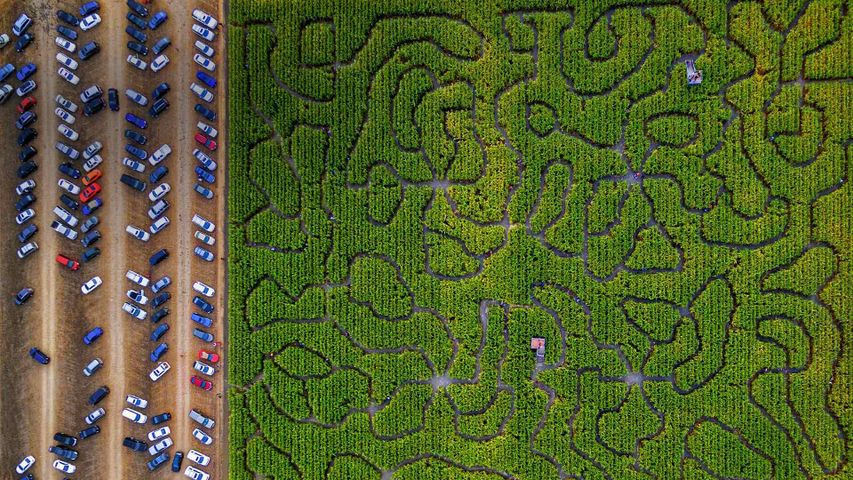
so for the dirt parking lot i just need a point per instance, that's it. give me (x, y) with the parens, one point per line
(37, 400)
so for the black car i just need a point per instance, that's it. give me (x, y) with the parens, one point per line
(137, 8)
(176, 462)
(160, 299)
(68, 169)
(136, 21)
(159, 107)
(133, 182)
(26, 169)
(89, 432)
(90, 238)
(93, 106)
(159, 315)
(99, 395)
(27, 153)
(68, 18)
(27, 232)
(22, 42)
(136, 136)
(135, 444)
(163, 417)
(66, 453)
(64, 439)
(22, 296)
(205, 112)
(90, 254)
(158, 256)
(160, 90)
(26, 136)
(66, 32)
(137, 47)
(136, 34)
(161, 45)
(69, 202)
(25, 201)
(89, 50)
(112, 98)
(26, 119)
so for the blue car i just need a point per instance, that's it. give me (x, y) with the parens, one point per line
(161, 45)
(202, 335)
(26, 71)
(203, 174)
(159, 352)
(202, 304)
(203, 191)
(204, 254)
(206, 79)
(201, 320)
(93, 335)
(157, 20)
(159, 332)
(136, 152)
(158, 257)
(158, 173)
(24, 295)
(176, 462)
(39, 356)
(6, 71)
(158, 461)
(136, 121)
(89, 8)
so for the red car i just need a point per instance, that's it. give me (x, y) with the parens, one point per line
(209, 356)
(208, 143)
(201, 383)
(90, 191)
(71, 264)
(26, 104)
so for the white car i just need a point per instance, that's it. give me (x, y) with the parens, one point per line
(65, 44)
(159, 225)
(65, 115)
(65, 216)
(204, 368)
(66, 61)
(204, 159)
(5, 93)
(160, 154)
(159, 371)
(204, 289)
(136, 401)
(68, 186)
(204, 48)
(205, 19)
(137, 62)
(159, 191)
(160, 446)
(25, 187)
(204, 238)
(25, 464)
(68, 132)
(95, 416)
(195, 474)
(90, 22)
(198, 457)
(133, 165)
(91, 285)
(68, 76)
(158, 63)
(137, 278)
(134, 416)
(207, 129)
(203, 223)
(92, 149)
(137, 233)
(92, 367)
(155, 435)
(24, 216)
(61, 229)
(202, 437)
(64, 466)
(92, 163)
(134, 311)
(136, 97)
(137, 296)
(203, 33)
(27, 249)
(4, 40)
(66, 104)
(201, 92)
(204, 62)
(157, 209)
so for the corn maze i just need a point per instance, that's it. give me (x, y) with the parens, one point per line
(420, 189)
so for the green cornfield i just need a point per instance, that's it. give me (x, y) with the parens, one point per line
(418, 189)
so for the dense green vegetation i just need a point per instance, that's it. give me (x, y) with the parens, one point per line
(418, 188)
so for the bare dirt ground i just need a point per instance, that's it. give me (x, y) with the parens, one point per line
(40, 400)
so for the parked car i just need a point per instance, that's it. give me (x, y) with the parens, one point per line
(203, 253)
(203, 33)
(90, 191)
(112, 99)
(96, 415)
(99, 395)
(67, 263)
(5, 93)
(203, 191)
(90, 238)
(68, 186)
(26, 71)
(65, 115)
(159, 371)
(39, 356)
(24, 201)
(205, 19)
(207, 129)
(26, 186)
(86, 433)
(90, 93)
(137, 401)
(199, 435)
(68, 33)
(67, 17)
(159, 352)
(198, 457)
(137, 278)
(91, 206)
(158, 209)
(90, 222)
(90, 22)
(63, 230)
(137, 62)
(25, 464)
(163, 417)
(26, 169)
(160, 154)
(136, 137)
(159, 225)
(158, 108)
(136, 21)
(24, 216)
(92, 163)
(134, 416)
(26, 104)
(160, 446)
(159, 315)
(64, 466)
(26, 136)
(137, 8)
(65, 44)
(160, 299)
(136, 97)
(66, 104)
(202, 384)
(207, 79)
(205, 112)
(68, 132)
(162, 283)
(157, 19)
(92, 150)
(203, 368)
(138, 167)
(134, 444)
(160, 90)
(159, 63)
(195, 474)
(90, 253)
(25, 120)
(203, 223)
(204, 289)
(27, 249)
(204, 159)
(204, 48)
(66, 61)
(209, 356)
(137, 296)
(134, 311)
(69, 202)
(201, 419)
(88, 50)
(91, 285)
(202, 335)
(204, 62)
(64, 452)
(93, 107)
(136, 151)
(92, 367)
(161, 45)
(158, 461)
(68, 169)
(93, 335)
(91, 177)
(27, 232)
(136, 121)
(159, 192)
(137, 233)
(23, 295)
(89, 8)
(133, 182)
(69, 152)
(159, 332)
(136, 34)
(26, 88)
(23, 42)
